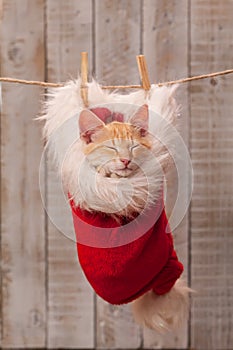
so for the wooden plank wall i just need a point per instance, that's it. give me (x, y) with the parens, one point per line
(23, 235)
(212, 155)
(46, 302)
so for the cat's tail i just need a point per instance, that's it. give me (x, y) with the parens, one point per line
(163, 312)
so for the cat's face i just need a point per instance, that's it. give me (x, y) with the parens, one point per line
(116, 149)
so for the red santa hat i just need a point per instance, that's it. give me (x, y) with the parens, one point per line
(122, 273)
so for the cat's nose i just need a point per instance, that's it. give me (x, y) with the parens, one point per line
(125, 161)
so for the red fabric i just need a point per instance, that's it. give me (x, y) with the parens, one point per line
(121, 274)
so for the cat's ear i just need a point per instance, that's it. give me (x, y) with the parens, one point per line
(140, 119)
(89, 124)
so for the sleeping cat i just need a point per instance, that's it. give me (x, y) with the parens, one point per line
(118, 150)
(114, 176)
(109, 152)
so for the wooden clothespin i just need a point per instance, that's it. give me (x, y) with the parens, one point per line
(143, 71)
(84, 78)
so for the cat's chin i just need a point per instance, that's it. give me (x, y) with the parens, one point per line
(122, 173)
(117, 173)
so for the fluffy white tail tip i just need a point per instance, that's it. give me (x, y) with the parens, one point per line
(163, 312)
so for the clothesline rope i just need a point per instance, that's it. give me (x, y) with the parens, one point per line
(113, 87)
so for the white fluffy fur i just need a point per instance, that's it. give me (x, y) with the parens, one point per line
(163, 312)
(94, 192)
(89, 190)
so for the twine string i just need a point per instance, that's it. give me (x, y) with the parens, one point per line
(113, 87)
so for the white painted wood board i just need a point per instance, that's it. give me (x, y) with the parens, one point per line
(23, 239)
(70, 299)
(212, 154)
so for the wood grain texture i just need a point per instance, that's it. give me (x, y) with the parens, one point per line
(117, 36)
(212, 153)
(165, 45)
(117, 41)
(22, 249)
(70, 299)
(69, 32)
(115, 327)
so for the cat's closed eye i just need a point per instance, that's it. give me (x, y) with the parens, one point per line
(116, 150)
(134, 146)
(113, 148)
